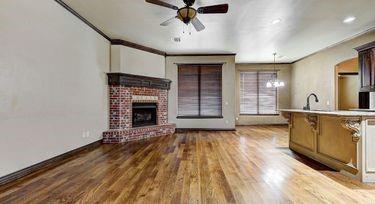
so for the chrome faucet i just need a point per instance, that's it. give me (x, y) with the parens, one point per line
(307, 106)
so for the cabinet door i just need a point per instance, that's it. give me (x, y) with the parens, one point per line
(367, 70)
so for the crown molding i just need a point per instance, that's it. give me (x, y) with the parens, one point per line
(335, 44)
(199, 55)
(155, 51)
(113, 41)
(84, 20)
(264, 63)
(137, 46)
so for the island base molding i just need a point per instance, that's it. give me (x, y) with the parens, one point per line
(345, 142)
(326, 160)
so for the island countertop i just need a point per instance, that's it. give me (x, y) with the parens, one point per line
(326, 112)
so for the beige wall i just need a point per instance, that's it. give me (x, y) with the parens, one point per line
(228, 95)
(53, 93)
(283, 94)
(316, 73)
(132, 61)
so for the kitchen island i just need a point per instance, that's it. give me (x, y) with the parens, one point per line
(342, 140)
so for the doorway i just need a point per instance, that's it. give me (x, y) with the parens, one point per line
(348, 91)
(347, 85)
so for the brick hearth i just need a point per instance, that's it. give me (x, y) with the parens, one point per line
(122, 94)
(138, 133)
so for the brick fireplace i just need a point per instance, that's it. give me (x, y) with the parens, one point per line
(138, 108)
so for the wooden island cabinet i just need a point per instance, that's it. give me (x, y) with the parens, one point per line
(342, 140)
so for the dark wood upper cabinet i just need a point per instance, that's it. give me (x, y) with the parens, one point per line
(366, 58)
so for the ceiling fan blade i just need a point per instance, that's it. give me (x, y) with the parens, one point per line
(169, 21)
(198, 25)
(162, 3)
(221, 8)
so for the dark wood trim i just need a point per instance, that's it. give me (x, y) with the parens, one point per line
(199, 117)
(199, 55)
(179, 130)
(347, 73)
(72, 11)
(244, 114)
(155, 51)
(113, 41)
(137, 46)
(256, 70)
(365, 46)
(131, 80)
(266, 125)
(47, 164)
(335, 44)
(263, 63)
(201, 64)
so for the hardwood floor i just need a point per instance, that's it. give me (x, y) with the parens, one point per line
(250, 165)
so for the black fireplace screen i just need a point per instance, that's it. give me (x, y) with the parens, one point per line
(144, 114)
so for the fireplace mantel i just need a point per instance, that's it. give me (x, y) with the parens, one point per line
(131, 80)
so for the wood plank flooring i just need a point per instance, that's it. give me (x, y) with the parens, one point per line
(244, 166)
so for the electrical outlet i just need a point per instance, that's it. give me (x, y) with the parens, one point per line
(86, 134)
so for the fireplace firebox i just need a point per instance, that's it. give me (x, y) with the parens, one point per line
(144, 114)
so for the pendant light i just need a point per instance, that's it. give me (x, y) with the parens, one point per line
(274, 82)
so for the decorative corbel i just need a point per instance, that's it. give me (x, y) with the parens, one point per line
(313, 121)
(288, 117)
(354, 126)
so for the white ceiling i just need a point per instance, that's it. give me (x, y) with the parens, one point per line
(306, 26)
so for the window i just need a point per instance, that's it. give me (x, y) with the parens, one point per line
(199, 91)
(255, 97)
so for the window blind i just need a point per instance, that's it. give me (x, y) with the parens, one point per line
(249, 93)
(255, 97)
(200, 90)
(188, 94)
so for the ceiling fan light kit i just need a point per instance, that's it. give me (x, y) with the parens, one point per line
(188, 14)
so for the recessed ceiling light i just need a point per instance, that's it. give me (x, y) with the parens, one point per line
(349, 19)
(276, 21)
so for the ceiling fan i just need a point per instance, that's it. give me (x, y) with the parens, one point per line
(188, 14)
